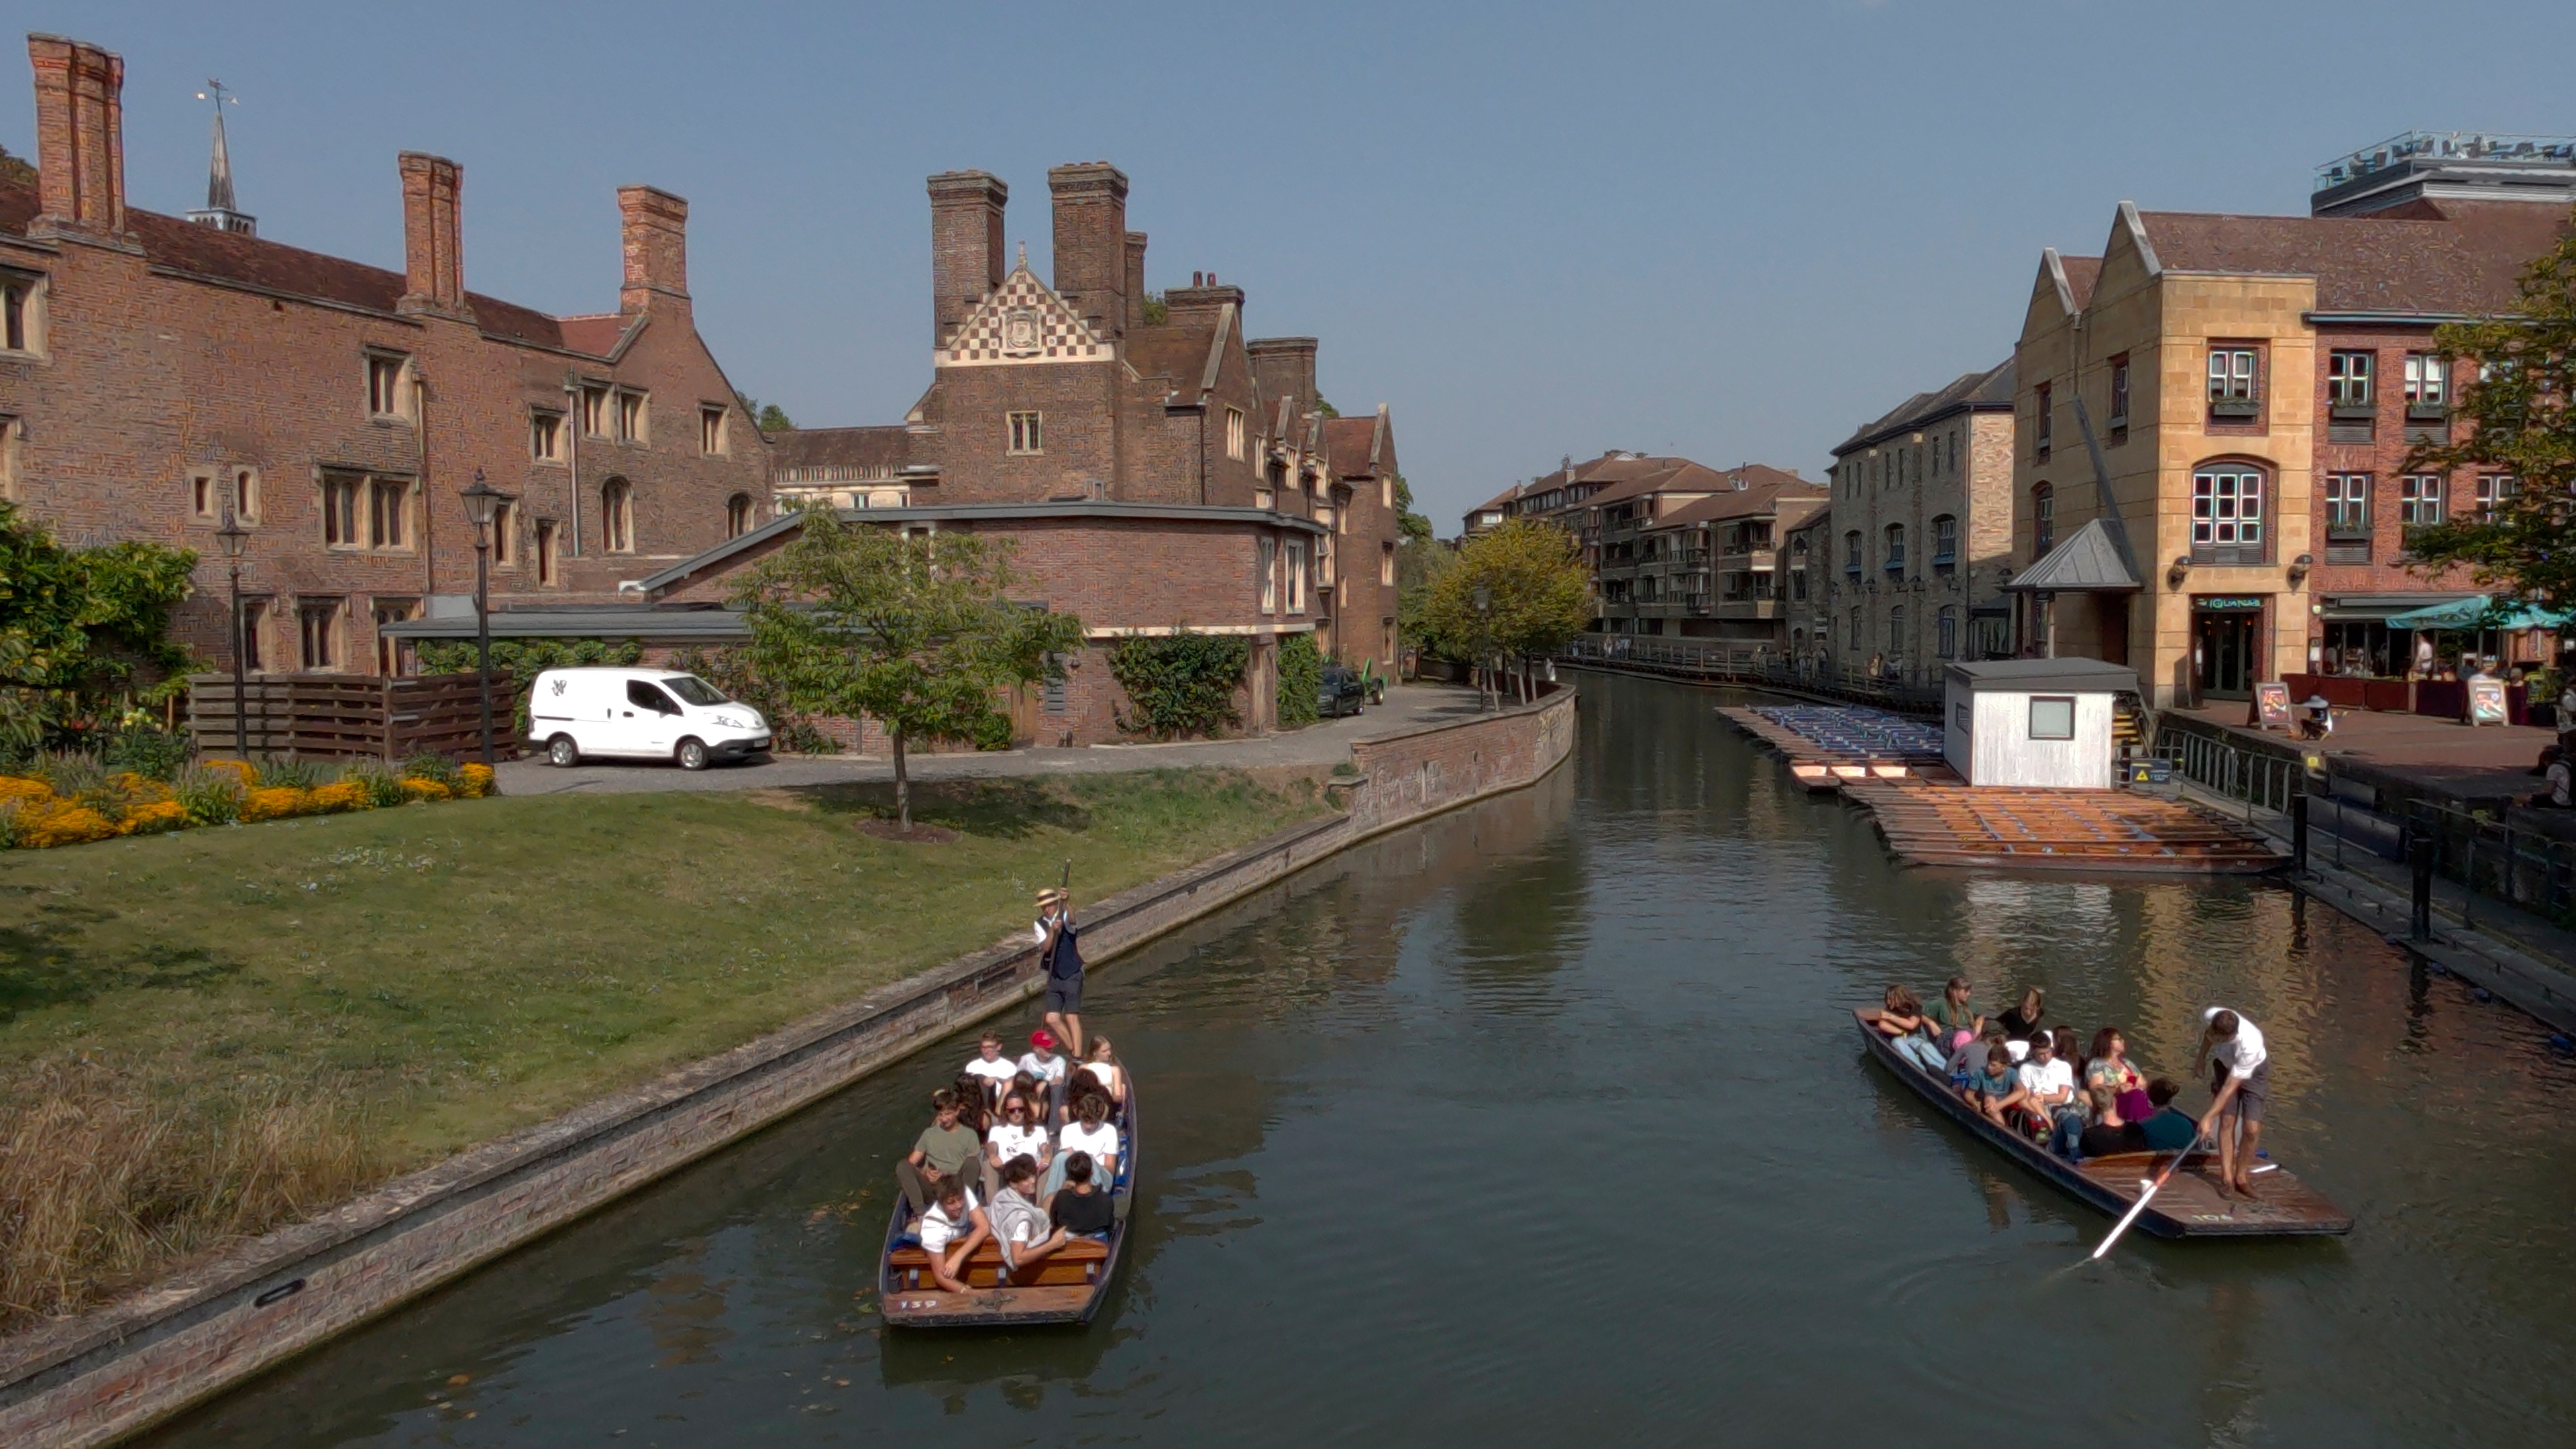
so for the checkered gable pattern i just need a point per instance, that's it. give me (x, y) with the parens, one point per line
(1022, 320)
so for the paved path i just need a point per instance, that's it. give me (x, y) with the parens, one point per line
(2442, 755)
(1325, 743)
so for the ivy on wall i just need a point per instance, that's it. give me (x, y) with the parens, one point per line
(1301, 679)
(1181, 684)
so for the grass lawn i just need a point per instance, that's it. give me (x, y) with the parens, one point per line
(428, 976)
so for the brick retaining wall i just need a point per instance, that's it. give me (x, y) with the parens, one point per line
(109, 1373)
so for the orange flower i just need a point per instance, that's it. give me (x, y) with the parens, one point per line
(249, 774)
(19, 787)
(274, 803)
(341, 795)
(477, 782)
(68, 824)
(426, 790)
(152, 818)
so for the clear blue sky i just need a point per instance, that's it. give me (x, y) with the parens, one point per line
(1729, 231)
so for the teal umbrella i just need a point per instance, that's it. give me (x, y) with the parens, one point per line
(2471, 613)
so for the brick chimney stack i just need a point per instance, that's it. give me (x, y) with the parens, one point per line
(965, 245)
(433, 237)
(1284, 367)
(1091, 242)
(654, 226)
(1135, 280)
(80, 135)
(1201, 301)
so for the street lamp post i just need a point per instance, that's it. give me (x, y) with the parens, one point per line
(483, 504)
(232, 536)
(1485, 628)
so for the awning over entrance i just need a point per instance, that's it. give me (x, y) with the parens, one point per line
(2088, 562)
(2471, 613)
(2348, 607)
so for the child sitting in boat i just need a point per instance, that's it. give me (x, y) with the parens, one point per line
(1082, 1206)
(1047, 1065)
(1020, 1133)
(1089, 1133)
(1020, 1226)
(2110, 1131)
(1901, 1021)
(1996, 1090)
(944, 1152)
(2170, 1129)
(1100, 1064)
(992, 1069)
(951, 1229)
(1955, 1022)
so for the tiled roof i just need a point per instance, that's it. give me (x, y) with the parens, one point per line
(1178, 351)
(1681, 475)
(865, 452)
(2081, 274)
(1756, 500)
(1348, 442)
(184, 247)
(2466, 263)
(1991, 390)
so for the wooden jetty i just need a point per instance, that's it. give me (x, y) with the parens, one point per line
(2189, 1205)
(1818, 768)
(2066, 830)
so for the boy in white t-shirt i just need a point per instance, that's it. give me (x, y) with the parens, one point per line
(1045, 1063)
(992, 1068)
(951, 1229)
(2050, 1084)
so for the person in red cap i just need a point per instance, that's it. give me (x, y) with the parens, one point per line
(1046, 1064)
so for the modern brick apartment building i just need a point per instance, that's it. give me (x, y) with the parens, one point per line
(1152, 467)
(2252, 384)
(159, 371)
(1921, 543)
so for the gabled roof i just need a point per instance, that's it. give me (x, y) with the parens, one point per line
(186, 249)
(1354, 445)
(1681, 475)
(1988, 391)
(2089, 560)
(1022, 321)
(1187, 353)
(2466, 262)
(1756, 501)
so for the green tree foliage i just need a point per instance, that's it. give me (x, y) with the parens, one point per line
(731, 670)
(2520, 423)
(768, 417)
(1181, 685)
(1156, 312)
(1415, 528)
(1419, 568)
(1519, 591)
(522, 660)
(1326, 409)
(1301, 679)
(916, 631)
(84, 631)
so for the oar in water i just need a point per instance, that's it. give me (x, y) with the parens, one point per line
(2140, 1205)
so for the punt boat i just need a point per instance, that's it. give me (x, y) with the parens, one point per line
(2189, 1205)
(1066, 1286)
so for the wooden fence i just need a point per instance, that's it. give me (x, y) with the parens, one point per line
(340, 716)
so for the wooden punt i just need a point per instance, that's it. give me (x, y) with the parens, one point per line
(1067, 1286)
(2189, 1205)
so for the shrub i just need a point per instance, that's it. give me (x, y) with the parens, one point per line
(272, 802)
(731, 671)
(147, 750)
(340, 795)
(289, 773)
(243, 772)
(474, 781)
(70, 774)
(63, 823)
(19, 787)
(1180, 684)
(521, 660)
(153, 817)
(428, 766)
(1301, 679)
(210, 794)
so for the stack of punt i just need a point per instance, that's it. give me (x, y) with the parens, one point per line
(2189, 1205)
(2076, 830)
(1831, 746)
(1066, 1286)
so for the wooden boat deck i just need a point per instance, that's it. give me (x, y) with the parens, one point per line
(2076, 830)
(2189, 1205)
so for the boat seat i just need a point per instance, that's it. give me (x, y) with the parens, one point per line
(1077, 1263)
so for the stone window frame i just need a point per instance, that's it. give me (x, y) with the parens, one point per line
(1234, 434)
(633, 417)
(742, 515)
(2043, 428)
(24, 313)
(597, 416)
(2043, 518)
(349, 504)
(548, 561)
(1945, 543)
(616, 515)
(393, 656)
(209, 498)
(1295, 554)
(1024, 433)
(2235, 378)
(2225, 507)
(321, 633)
(714, 435)
(546, 429)
(13, 436)
(505, 535)
(391, 386)
(256, 612)
(1269, 566)
(2117, 419)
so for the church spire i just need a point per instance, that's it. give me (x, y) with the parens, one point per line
(219, 211)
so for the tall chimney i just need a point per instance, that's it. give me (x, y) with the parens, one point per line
(965, 245)
(80, 135)
(1200, 303)
(1091, 242)
(1284, 367)
(654, 227)
(1135, 280)
(433, 236)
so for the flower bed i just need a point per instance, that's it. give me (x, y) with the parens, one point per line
(73, 802)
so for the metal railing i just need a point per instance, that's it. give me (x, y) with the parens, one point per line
(2487, 857)
(1720, 662)
(2261, 779)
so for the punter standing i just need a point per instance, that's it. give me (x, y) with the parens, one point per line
(2237, 1108)
(1060, 950)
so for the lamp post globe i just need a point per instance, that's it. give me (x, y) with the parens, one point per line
(483, 504)
(231, 537)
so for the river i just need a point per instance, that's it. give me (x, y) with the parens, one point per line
(1544, 1122)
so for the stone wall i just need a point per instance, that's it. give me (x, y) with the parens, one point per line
(107, 1374)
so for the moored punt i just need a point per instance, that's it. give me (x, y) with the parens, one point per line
(2188, 1206)
(1066, 1286)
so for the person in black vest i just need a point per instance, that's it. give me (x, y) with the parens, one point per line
(1060, 951)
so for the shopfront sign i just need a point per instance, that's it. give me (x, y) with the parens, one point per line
(2228, 603)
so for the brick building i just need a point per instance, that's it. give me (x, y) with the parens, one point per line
(1921, 542)
(1714, 569)
(1152, 467)
(159, 371)
(2253, 384)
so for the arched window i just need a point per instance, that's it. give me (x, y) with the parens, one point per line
(1896, 549)
(738, 515)
(2227, 512)
(2043, 518)
(617, 516)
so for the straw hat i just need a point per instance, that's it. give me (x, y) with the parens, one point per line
(1049, 897)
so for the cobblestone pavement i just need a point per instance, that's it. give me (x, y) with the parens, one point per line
(1324, 743)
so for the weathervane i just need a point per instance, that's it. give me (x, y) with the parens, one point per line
(219, 211)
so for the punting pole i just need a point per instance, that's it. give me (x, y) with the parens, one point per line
(2140, 1205)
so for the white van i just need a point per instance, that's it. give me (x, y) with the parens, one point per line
(640, 714)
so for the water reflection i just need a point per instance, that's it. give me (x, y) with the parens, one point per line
(1544, 1122)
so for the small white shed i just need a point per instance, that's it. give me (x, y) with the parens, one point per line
(2033, 722)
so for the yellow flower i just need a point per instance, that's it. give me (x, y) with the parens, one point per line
(341, 795)
(478, 781)
(151, 818)
(67, 824)
(19, 787)
(426, 790)
(274, 803)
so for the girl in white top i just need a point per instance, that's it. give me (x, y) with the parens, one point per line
(1102, 1065)
(1020, 1133)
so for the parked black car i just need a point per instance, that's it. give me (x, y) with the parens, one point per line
(1343, 692)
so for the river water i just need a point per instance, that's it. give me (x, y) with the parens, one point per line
(1544, 1122)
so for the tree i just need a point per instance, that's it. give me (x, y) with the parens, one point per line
(915, 631)
(768, 417)
(85, 626)
(2520, 425)
(1415, 528)
(1521, 590)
